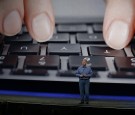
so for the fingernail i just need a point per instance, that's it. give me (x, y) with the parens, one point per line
(117, 36)
(41, 26)
(12, 23)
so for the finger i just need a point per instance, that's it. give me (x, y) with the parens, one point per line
(118, 23)
(11, 16)
(39, 19)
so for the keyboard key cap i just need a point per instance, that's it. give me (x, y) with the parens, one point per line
(105, 51)
(33, 72)
(24, 29)
(64, 49)
(65, 73)
(9, 61)
(98, 28)
(90, 38)
(59, 38)
(133, 48)
(1, 72)
(72, 28)
(125, 63)
(42, 62)
(21, 32)
(24, 49)
(97, 62)
(1, 43)
(24, 38)
(127, 75)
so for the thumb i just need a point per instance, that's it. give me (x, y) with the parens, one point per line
(118, 23)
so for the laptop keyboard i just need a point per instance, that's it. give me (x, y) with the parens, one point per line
(24, 59)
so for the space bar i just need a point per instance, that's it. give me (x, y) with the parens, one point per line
(127, 75)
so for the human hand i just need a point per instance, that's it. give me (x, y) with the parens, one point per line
(36, 14)
(119, 23)
(118, 28)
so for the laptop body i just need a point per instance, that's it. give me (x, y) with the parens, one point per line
(76, 11)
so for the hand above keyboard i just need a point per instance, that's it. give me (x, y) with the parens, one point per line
(36, 14)
(118, 29)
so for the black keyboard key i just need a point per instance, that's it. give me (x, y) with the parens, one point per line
(1, 43)
(125, 63)
(127, 75)
(42, 62)
(24, 49)
(72, 28)
(65, 73)
(133, 47)
(24, 29)
(133, 40)
(97, 62)
(1, 38)
(105, 51)
(59, 38)
(90, 38)
(31, 72)
(9, 61)
(24, 38)
(1, 72)
(21, 32)
(64, 49)
(98, 28)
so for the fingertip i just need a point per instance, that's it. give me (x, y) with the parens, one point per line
(39, 19)
(12, 23)
(42, 27)
(117, 35)
(118, 23)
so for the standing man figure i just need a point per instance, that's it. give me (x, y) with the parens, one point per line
(84, 73)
